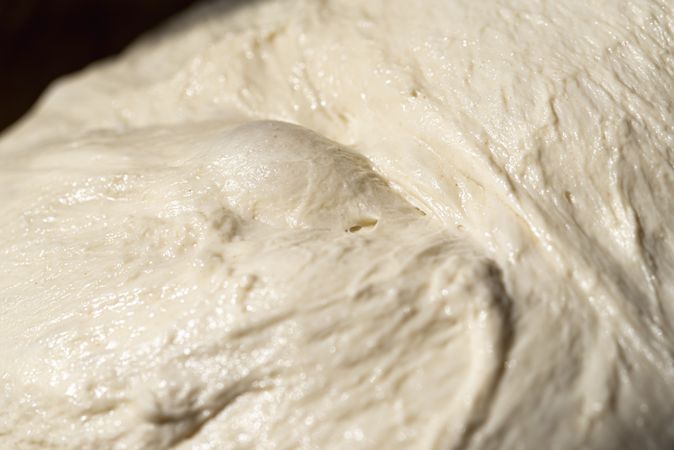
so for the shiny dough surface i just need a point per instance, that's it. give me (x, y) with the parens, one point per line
(349, 224)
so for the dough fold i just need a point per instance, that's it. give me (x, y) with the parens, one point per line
(344, 224)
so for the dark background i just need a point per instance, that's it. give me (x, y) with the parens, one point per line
(43, 39)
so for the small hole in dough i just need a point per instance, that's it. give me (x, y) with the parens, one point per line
(363, 223)
(568, 196)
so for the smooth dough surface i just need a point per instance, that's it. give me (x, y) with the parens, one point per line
(349, 224)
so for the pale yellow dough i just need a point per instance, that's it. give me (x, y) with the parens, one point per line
(348, 224)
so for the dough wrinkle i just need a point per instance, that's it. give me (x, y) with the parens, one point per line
(343, 224)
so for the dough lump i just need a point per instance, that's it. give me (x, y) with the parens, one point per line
(346, 224)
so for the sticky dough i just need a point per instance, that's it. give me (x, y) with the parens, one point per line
(345, 224)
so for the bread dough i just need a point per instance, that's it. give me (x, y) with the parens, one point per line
(344, 224)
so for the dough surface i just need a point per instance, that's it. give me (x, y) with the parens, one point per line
(349, 224)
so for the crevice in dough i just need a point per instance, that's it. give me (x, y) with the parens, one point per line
(362, 224)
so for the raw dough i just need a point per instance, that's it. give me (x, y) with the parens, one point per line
(348, 224)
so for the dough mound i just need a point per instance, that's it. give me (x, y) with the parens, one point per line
(299, 224)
